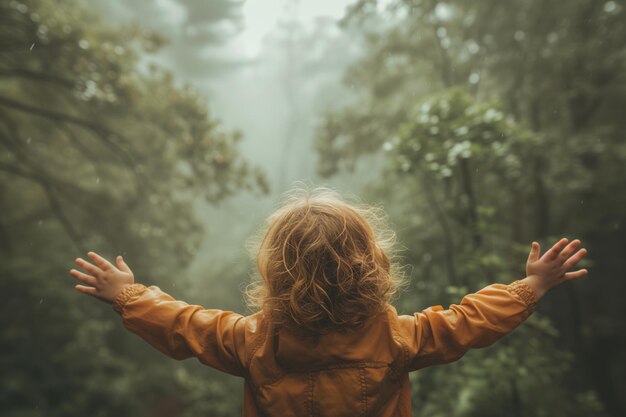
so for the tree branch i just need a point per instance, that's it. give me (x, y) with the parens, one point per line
(445, 229)
(53, 201)
(33, 75)
(38, 176)
(104, 133)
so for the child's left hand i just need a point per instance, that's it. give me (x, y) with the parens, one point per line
(105, 279)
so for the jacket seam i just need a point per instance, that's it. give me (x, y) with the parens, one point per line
(395, 334)
(363, 390)
(243, 364)
(261, 335)
(356, 365)
(310, 393)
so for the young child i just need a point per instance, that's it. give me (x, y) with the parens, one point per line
(325, 340)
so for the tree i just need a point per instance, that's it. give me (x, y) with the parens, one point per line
(550, 77)
(98, 153)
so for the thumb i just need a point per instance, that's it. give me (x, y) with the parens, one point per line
(122, 265)
(534, 252)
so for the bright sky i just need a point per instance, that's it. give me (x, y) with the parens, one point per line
(261, 16)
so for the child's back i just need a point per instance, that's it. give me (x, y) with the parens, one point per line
(363, 372)
(326, 341)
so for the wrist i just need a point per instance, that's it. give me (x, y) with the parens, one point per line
(119, 290)
(537, 284)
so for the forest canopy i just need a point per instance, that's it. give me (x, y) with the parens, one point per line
(479, 127)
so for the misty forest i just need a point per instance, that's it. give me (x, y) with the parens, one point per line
(147, 129)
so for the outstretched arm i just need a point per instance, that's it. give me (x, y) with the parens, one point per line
(437, 335)
(174, 327)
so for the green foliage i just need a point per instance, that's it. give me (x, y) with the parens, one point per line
(508, 380)
(450, 128)
(497, 125)
(97, 152)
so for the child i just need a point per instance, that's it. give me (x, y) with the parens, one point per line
(326, 341)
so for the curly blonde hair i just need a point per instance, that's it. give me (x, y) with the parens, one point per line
(323, 263)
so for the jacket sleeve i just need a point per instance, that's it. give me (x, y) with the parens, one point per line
(181, 331)
(437, 336)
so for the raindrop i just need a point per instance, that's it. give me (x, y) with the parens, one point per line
(83, 44)
(41, 301)
(40, 222)
(581, 202)
(519, 35)
(22, 8)
(442, 32)
(474, 78)
(387, 146)
(97, 180)
(31, 46)
(28, 141)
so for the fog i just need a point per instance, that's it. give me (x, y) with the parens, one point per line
(268, 69)
(166, 131)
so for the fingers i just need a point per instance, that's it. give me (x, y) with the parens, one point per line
(554, 251)
(92, 269)
(86, 290)
(575, 274)
(121, 265)
(569, 249)
(87, 279)
(535, 250)
(100, 261)
(574, 259)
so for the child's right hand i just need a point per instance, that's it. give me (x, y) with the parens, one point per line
(105, 280)
(550, 270)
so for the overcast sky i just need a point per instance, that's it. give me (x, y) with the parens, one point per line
(261, 16)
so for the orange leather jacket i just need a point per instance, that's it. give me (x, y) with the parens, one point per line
(354, 373)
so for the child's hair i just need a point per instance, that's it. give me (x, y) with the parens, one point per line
(322, 263)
